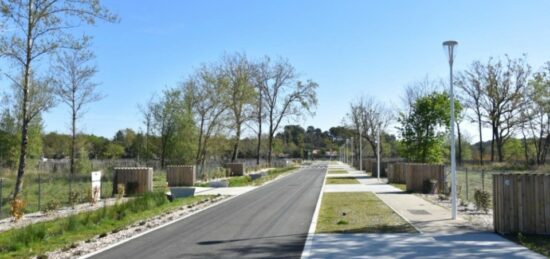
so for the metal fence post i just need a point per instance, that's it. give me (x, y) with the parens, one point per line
(467, 188)
(483, 179)
(39, 190)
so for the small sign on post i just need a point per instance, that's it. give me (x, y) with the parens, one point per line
(96, 186)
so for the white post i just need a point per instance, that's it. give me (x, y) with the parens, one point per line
(378, 151)
(352, 151)
(360, 150)
(450, 49)
(453, 157)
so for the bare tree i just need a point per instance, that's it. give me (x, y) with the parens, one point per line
(472, 83)
(285, 97)
(368, 116)
(74, 87)
(504, 99)
(538, 112)
(39, 28)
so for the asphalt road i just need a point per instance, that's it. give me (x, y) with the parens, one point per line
(271, 221)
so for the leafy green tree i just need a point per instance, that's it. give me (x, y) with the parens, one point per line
(113, 151)
(423, 130)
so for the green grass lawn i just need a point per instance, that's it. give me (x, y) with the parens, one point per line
(358, 212)
(342, 180)
(337, 171)
(39, 238)
(537, 243)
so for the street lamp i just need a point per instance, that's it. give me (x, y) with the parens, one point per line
(449, 47)
(378, 151)
(360, 148)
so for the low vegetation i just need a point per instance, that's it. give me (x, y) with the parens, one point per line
(358, 212)
(337, 171)
(52, 190)
(400, 186)
(537, 243)
(39, 238)
(342, 180)
(246, 180)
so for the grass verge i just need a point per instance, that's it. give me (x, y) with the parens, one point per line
(337, 171)
(247, 180)
(39, 238)
(358, 212)
(342, 180)
(537, 243)
(400, 186)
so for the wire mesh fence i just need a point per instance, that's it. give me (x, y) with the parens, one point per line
(51, 186)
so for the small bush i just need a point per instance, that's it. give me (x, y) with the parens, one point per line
(52, 205)
(120, 189)
(73, 198)
(17, 207)
(482, 200)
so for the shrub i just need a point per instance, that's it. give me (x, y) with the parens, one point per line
(52, 205)
(17, 207)
(120, 189)
(482, 200)
(73, 198)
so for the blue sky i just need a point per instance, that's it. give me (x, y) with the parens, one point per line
(350, 48)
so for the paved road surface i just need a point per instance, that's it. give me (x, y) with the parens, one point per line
(271, 221)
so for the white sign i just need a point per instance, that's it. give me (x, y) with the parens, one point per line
(96, 186)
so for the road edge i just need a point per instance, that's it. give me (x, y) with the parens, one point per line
(306, 253)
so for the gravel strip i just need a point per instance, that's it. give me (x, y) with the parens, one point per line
(477, 219)
(101, 241)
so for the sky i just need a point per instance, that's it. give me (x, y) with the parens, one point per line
(350, 48)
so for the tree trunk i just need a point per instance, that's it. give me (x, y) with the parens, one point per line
(493, 142)
(236, 145)
(73, 143)
(459, 144)
(258, 148)
(22, 156)
(525, 147)
(480, 142)
(270, 147)
(25, 120)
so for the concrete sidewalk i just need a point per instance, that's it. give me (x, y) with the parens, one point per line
(462, 245)
(439, 237)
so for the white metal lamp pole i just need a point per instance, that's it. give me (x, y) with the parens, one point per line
(360, 149)
(378, 152)
(449, 47)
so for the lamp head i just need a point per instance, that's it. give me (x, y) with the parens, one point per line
(449, 47)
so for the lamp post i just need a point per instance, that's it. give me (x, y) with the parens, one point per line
(449, 47)
(360, 148)
(378, 152)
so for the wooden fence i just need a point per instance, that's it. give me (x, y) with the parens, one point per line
(136, 180)
(396, 173)
(235, 169)
(181, 175)
(416, 176)
(521, 203)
